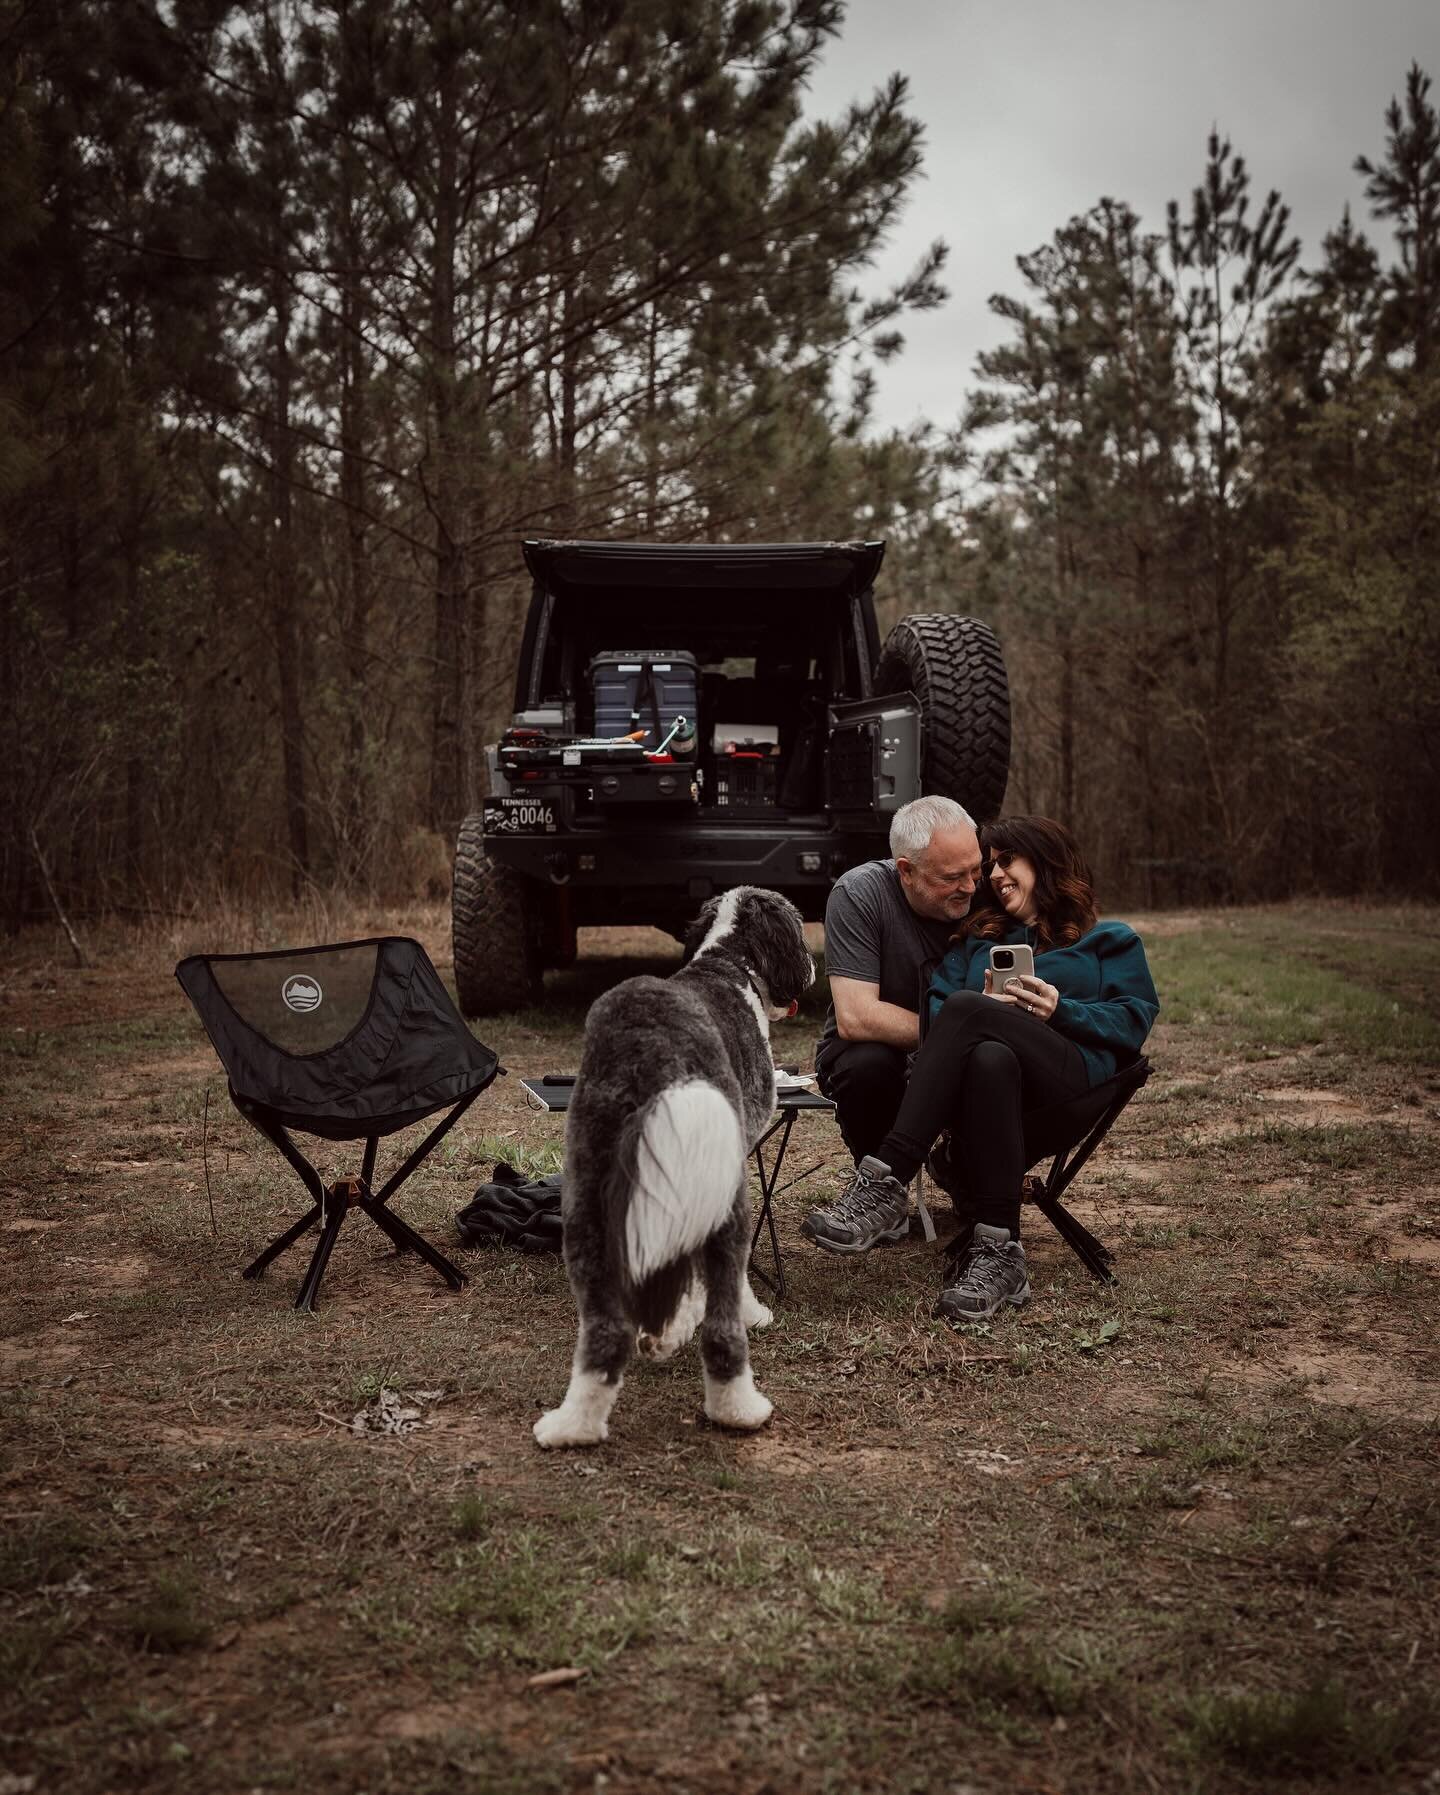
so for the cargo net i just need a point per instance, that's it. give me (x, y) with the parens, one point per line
(301, 1003)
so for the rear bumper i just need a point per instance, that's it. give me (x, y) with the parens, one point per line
(655, 868)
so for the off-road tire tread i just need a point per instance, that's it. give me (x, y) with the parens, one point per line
(497, 959)
(955, 668)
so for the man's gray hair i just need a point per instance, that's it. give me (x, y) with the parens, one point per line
(914, 823)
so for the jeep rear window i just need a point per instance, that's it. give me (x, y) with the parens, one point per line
(743, 635)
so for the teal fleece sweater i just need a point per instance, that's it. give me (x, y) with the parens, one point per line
(1107, 1001)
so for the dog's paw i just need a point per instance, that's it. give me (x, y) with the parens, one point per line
(678, 1332)
(753, 1313)
(557, 1427)
(657, 1348)
(738, 1404)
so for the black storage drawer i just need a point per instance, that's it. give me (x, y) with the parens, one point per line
(670, 783)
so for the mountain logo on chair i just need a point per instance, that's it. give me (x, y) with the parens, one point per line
(302, 993)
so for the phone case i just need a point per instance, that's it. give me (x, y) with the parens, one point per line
(1024, 967)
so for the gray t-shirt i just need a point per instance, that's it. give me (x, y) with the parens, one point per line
(872, 934)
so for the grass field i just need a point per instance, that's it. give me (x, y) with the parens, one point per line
(1178, 1535)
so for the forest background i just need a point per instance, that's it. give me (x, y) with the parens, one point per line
(310, 310)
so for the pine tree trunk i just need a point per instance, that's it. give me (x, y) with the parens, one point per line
(357, 813)
(284, 592)
(1064, 637)
(450, 687)
(134, 639)
(652, 445)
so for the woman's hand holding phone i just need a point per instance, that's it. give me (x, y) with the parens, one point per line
(1026, 992)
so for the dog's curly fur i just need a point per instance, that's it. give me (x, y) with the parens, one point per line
(676, 1084)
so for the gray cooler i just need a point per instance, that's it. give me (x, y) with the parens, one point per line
(644, 688)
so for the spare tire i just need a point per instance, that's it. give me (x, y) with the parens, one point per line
(955, 668)
(497, 952)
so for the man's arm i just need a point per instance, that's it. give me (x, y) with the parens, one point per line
(861, 1016)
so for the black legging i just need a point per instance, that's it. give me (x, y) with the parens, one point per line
(983, 1067)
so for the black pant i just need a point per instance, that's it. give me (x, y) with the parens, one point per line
(865, 1080)
(985, 1068)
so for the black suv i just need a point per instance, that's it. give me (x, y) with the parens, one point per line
(688, 718)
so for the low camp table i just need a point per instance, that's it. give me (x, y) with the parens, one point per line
(553, 1092)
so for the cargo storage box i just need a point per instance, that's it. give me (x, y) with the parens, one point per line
(646, 688)
(745, 784)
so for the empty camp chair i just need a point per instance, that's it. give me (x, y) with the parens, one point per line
(349, 1042)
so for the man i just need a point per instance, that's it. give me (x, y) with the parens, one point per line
(886, 924)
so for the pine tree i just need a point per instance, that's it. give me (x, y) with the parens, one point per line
(1405, 188)
(101, 309)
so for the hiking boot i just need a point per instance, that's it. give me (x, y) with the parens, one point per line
(989, 1275)
(873, 1206)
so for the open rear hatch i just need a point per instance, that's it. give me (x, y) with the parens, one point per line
(689, 676)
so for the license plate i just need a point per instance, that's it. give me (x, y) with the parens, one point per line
(520, 816)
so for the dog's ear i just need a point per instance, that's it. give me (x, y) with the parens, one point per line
(774, 937)
(699, 929)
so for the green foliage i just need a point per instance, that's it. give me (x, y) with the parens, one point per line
(313, 312)
(1211, 536)
(983, 1676)
(400, 302)
(474, 1517)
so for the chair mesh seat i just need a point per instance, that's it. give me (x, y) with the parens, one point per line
(342, 1042)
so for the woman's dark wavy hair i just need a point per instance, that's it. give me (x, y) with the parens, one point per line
(1064, 891)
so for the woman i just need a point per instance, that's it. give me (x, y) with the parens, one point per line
(992, 1057)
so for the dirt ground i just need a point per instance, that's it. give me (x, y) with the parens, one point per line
(1174, 1534)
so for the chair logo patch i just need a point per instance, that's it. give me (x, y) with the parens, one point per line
(301, 993)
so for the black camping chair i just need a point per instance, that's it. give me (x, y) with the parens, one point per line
(1071, 1132)
(348, 1042)
(1066, 1134)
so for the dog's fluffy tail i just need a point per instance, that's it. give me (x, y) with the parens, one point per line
(689, 1163)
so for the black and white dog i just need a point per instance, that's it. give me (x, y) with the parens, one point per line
(676, 1084)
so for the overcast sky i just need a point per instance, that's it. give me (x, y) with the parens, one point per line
(1036, 109)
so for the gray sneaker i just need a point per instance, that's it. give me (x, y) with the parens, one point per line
(991, 1274)
(873, 1207)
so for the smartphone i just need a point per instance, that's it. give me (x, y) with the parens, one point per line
(1010, 963)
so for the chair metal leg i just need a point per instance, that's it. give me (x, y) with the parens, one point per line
(310, 1178)
(406, 1239)
(766, 1217)
(277, 1247)
(1091, 1254)
(430, 1142)
(1066, 1170)
(331, 1205)
(282, 1143)
(310, 1288)
(1075, 1230)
